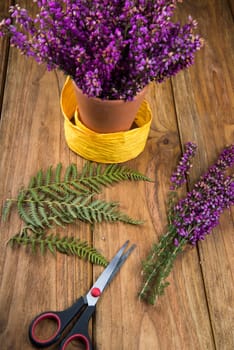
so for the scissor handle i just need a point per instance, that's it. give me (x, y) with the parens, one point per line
(80, 330)
(61, 319)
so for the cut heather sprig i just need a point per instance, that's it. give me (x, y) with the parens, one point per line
(178, 178)
(198, 213)
(190, 220)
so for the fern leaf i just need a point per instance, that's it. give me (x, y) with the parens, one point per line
(68, 189)
(21, 196)
(39, 178)
(74, 171)
(58, 173)
(99, 169)
(59, 189)
(91, 169)
(68, 173)
(53, 209)
(95, 177)
(67, 219)
(81, 249)
(92, 179)
(71, 211)
(42, 247)
(99, 211)
(28, 220)
(83, 214)
(32, 182)
(51, 193)
(80, 187)
(92, 184)
(90, 211)
(6, 209)
(56, 221)
(34, 195)
(33, 211)
(111, 169)
(65, 245)
(85, 170)
(50, 246)
(48, 176)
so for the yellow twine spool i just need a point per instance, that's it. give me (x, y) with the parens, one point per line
(114, 147)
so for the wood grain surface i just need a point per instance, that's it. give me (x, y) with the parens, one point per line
(197, 310)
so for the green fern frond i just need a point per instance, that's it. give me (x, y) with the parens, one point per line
(91, 179)
(53, 198)
(85, 210)
(50, 202)
(65, 245)
(98, 211)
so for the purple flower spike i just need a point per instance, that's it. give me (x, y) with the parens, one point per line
(198, 213)
(178, 178)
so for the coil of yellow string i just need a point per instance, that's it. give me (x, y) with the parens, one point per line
(114, 147)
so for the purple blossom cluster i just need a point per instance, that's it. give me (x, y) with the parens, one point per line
(197, 214)
(178, 178)
(111, 48)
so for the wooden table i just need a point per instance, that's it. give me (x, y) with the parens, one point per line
(197, 310)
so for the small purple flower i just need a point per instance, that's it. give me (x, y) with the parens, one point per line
(179, 176)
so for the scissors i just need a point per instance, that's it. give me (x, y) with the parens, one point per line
(83, 308)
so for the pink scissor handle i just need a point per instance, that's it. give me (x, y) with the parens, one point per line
(79, 337)
(44, 316)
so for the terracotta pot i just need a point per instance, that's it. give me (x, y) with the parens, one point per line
(106, 116)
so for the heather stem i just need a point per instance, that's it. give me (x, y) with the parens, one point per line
(162, 263)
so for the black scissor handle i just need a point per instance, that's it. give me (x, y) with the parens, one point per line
(42, 343)
(80, 330)
(61, 319)
(81, 338)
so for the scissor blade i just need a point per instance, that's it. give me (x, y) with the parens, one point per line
(121, 262)
(108, 274)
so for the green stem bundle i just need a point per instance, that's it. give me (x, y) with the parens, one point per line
(158, 265)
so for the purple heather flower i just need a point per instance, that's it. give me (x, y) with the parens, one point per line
(197, 214)
(179, 176)
(126, 44)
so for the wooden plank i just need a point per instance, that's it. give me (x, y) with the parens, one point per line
(179, 320)
(32, 137)
(204, 103)
(231, 4)
(4, 48)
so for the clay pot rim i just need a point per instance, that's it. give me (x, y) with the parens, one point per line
(112, 102)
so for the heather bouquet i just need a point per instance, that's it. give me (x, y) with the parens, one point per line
(111, 48)
(190, 219)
